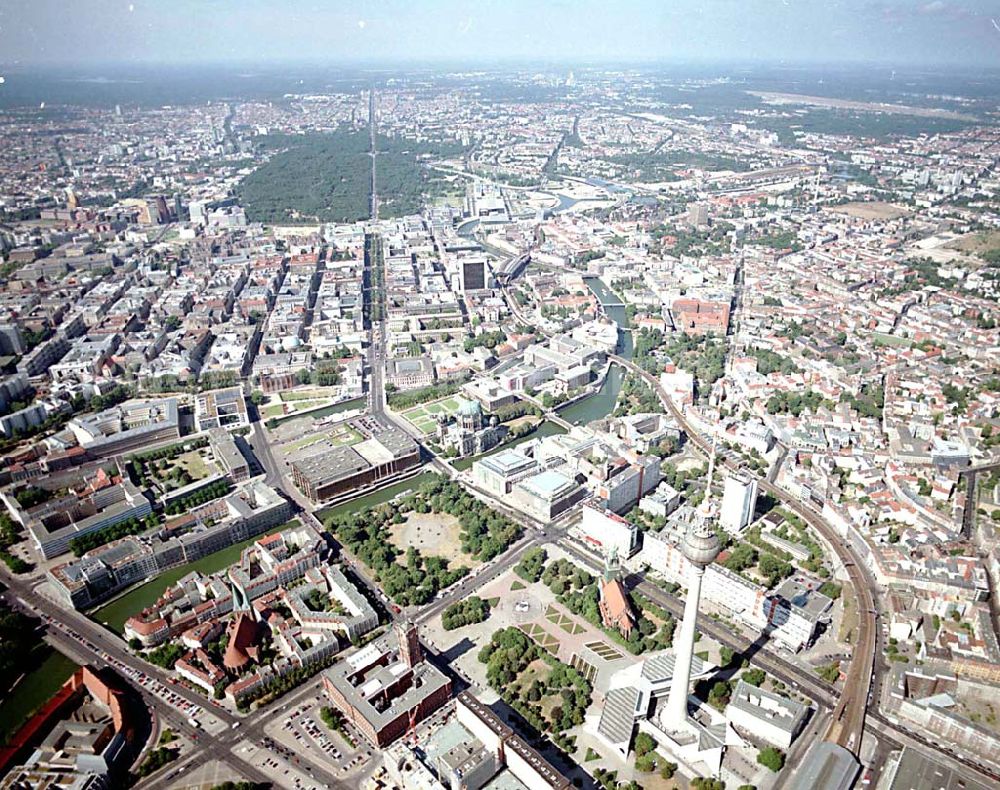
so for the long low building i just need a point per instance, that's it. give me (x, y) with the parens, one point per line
(101, 572)
(330, 471)
(131, 426)
(106, 504)
(509, 749)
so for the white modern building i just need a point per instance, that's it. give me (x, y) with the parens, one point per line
(765, 715)
(739, 498)
(604, 531)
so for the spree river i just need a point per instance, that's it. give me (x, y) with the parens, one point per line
(602, 402)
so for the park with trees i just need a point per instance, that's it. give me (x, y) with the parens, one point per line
(484, 534)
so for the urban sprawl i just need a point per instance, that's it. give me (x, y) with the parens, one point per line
(524, 431)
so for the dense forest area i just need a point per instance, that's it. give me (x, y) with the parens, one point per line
(403, 180)
(327, 177)
(316, 177)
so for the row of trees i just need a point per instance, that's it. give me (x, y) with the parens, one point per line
(9, 535)
(156, 759)
(81, 544)
(17, 640)
(335, 720)
(214, 490)
(117, 394)
(281, 685)
(409, 398)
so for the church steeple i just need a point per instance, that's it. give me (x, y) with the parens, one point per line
(612, 568)
(241, 601)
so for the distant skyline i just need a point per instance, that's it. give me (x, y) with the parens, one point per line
(82, 32)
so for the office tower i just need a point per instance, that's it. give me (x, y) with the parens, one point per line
(739, 498)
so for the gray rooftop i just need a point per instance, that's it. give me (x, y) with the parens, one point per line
(780, 711)
(917, 771)
(333, 464)
(826, 766)
(618, 714)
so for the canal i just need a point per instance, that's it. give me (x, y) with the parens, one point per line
(376, 497)
(115, 613)
(34, 689)
(325, 411)
(602, 402)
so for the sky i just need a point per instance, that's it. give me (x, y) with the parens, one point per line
(82, 32)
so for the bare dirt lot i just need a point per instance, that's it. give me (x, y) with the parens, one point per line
(873, 210)
(977, 243)
(432, 534)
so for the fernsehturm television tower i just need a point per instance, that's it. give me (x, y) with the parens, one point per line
(700, 547)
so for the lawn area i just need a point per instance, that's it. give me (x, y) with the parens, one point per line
(977, 243)
(563, 620)
(891, 340)
(424, 417)
(194, 463)
(542, 637)
(345, 435)
(320, 413)
(119, 610)
(312, 394)
(305, 405)
(274, 410)
(34, 689)
(376, 497)
(536, 670)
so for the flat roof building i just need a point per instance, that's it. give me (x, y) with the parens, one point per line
(223, 408)
(917, 771)
(544, 496)
(764, 714)
(499, 472)
(335, 470)
(386, 686)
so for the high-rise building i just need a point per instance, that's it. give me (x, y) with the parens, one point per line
(472, 274)
(739, 498)
(197, 210)
(698, 214)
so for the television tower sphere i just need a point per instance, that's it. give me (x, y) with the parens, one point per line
(701, 544)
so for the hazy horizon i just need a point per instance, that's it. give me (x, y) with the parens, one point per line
(88, 33)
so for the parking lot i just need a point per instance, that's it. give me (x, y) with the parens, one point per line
(188, 709)
(302, 731)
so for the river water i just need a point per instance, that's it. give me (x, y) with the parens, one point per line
(602, 403)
